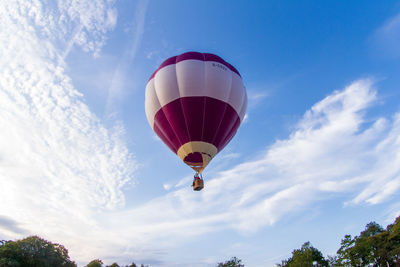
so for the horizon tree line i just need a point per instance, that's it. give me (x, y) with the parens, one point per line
(374, 246)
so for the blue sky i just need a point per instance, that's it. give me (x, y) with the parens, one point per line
(316, 158)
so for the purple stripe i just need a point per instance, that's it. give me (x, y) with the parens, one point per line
(193, 108)
(214, 112)
(230, 134)
(175, 118)
(196, 118)
(164, 130)
(196, 56)
(229, 125)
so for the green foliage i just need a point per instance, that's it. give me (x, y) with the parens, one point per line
(307, 255)
(393, 241)
(373, 247)
(3, 242)
(233, 262)
(34, 251)
(134, 265)
(99, 263)
(95, 263)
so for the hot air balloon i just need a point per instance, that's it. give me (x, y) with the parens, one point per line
(195, 102)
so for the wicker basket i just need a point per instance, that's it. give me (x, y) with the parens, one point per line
(198, 184)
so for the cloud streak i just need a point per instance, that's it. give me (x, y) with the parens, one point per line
(116, 90)
(335, 148)
(62, 172)
(387, 37)
(60, 167)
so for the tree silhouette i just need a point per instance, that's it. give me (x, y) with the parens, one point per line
(34, 251)
(306, 256)
(233, 262)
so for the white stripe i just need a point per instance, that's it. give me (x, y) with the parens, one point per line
(195, 78)
(191, 77)
(151, 103)
(166, 85)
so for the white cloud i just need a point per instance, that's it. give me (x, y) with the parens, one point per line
(184, 181)
(84, 22)
(151, 54)
(256, 97)
(392, 212)
(116, 91)
(60, 168)
(229, 156)
(167, 187)
(387, 37)
(61, 171)
(334, 148)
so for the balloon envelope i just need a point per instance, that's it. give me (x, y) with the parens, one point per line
(195, 103)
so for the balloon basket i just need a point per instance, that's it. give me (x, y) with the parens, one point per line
(198, 184)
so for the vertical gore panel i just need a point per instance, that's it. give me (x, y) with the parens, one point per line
(166, 85)
(230, 134)
(226, 126)
(193, 109)
(151, 103)
(237, 93)
(190, 76)
(163, 129)
(218, 81)
(176, 118)
(214, 112)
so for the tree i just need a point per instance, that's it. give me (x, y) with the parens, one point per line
(233, 262)
(34, 251)
(95, 263)
(307, 255)
(134, 265)
(3, 242)
(99, 263)
(393, 241)
(373, 247)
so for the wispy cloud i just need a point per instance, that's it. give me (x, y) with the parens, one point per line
(386, 38)
(167, 186)
(62, 171)
(116, 90)
(392, 212)
(60, 167)
(255, 97)
(230, 156)
(83, 23)
(334, 148)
